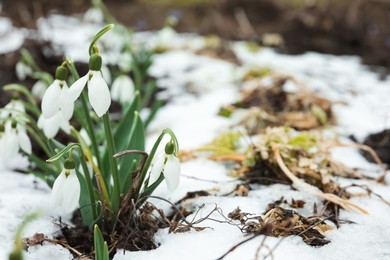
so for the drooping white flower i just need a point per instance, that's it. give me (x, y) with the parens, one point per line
(168, 164)
(98, 91)
(39, 88)
(22, 70)
(52, 125)
(65, 194)
(13, 109)
(56, 98)
(124, 61)
(94, 15)
(122, 89)
(13, 139)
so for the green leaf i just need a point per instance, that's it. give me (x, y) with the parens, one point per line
(149, 90)
(22, 89)
(85, 201)
(153, 111)
(136, 141)
(101, 249)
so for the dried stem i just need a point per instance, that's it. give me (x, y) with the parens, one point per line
(303, 186)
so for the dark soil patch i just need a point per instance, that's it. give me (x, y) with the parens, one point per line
(133, 232)
(380, 142)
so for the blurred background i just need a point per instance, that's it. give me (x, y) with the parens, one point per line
(357, 27)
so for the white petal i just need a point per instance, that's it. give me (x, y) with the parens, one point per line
(22, 70)
(18, 105)
(156, 170)
(66, 103)
(106, 74)
(50, 101)
(49, 126)
(99, 94)
(24, 142)
(5, 114)
(64, 125)
(85, 137)
(77, 87)
(172, 172)
(10, 144)
(124, 61)
(71, 193)
(39, 89)
(122, 89)
(57, 190)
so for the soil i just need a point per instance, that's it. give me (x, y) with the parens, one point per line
(380, 142)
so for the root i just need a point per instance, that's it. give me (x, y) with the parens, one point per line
(303, 186)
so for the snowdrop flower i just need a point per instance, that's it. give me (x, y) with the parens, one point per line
(94, 15)
(122, 89)
(39, 88)
(23, 70)
(52, 125)
(14, 107)
(169, 165)
(98, 92)
(124, 61)
(66, 189)
(12, 140)
(56, 98)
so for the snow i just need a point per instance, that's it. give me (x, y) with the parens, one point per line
(197, 87)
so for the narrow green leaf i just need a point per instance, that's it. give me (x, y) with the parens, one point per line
(98, 243)
(22, 89)
(153, 111)
(85, 201)
(136, 142)
(149, 90)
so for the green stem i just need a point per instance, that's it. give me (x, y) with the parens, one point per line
(114, 168)
(22, 89)
(43, 166)
(38, 139)
(90, 130)
(97, 37)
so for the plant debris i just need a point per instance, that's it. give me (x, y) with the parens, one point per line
(282, 223)
(273, 105)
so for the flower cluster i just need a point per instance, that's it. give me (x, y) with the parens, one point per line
(13, 133)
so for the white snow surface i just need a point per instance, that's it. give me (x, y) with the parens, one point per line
(197, 87)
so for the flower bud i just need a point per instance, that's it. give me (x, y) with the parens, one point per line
(61, 73)
(14, 123)
(69, 164)
(169, 148)
(95, 62)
